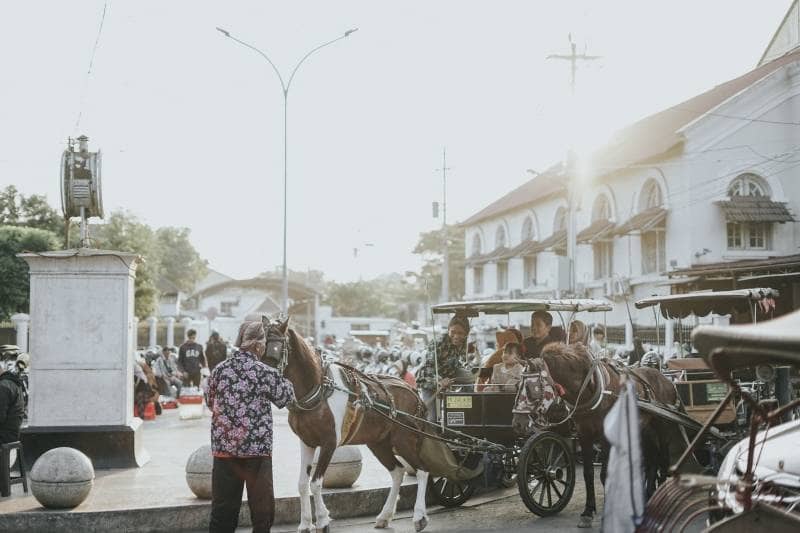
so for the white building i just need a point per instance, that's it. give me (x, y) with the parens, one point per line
(673, 203)
(343, 326)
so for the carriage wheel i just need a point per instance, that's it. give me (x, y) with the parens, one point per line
(546, 473)
(448, 493)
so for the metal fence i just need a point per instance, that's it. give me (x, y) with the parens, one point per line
(649, 334)
(8, 335)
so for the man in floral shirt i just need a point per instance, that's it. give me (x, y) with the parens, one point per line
(240, 391)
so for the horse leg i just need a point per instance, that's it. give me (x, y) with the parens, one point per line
(306, 459)
(383, 452)
(605, 448)
(420, 511)
(323, 516)
(587, 453)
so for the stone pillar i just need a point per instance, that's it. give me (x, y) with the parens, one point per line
(21, 321)
(135, 336)
(81, 379)
(170, 330)
(152, 325)
(187, 323)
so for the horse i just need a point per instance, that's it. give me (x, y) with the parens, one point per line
(591, 386)
(331, 410)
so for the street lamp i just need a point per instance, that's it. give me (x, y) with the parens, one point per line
(285, 86)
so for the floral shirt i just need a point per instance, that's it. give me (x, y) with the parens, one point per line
(450, 359)
(240, 390)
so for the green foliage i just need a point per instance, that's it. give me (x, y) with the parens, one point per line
(31, 211)
(429, 247)
(14, 277)
(181, 264)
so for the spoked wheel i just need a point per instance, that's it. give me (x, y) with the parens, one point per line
(546, 473)
(449, 493)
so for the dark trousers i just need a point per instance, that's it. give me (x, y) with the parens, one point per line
(228, 477)
(192, 379)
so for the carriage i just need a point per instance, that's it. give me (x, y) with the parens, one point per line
(542, 464)
(758, 483)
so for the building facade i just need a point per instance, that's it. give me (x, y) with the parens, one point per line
(713, 180)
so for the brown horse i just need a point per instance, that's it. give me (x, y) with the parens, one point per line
(332, 410)
(591, 387)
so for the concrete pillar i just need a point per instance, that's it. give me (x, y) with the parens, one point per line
(135, 334)
(170, 330)
(152, 338)
(81, 379)
(21, 321)
(187, 323)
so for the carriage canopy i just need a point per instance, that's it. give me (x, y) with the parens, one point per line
(503, 307)
(703, 303)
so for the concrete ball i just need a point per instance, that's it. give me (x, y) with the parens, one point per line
(344, 468)
(61, 478)
(198, 472)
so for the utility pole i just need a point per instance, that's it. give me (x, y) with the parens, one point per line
(572, 175)
(445, 253)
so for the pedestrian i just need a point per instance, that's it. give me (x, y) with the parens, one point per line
(12, 402)
(191, 359)
(404, 374)
(240, 391)
(165, 368)
(216, 350)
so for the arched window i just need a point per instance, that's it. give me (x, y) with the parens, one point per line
(743, 191)
(748, 185)
(651, 195)
(601, 209)
(654, 239)
(500, 237)
(560, 222)
(476, 244)
(527, 229)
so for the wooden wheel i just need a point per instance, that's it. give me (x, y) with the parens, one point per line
(546, 473)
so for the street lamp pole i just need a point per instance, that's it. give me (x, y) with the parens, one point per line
(285, 86)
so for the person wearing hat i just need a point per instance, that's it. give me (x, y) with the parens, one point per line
(12, 400)
(216, 350)
(450, 354)
(240, 393)
(542, 334)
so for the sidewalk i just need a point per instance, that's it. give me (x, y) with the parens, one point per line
(158, 491)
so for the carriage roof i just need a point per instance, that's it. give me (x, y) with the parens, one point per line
(727, 348)
(703, 303)
(502, 307)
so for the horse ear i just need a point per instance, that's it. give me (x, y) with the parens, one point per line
(285, 325)
(265, 322)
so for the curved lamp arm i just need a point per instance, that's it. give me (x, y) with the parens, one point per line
(323, 45)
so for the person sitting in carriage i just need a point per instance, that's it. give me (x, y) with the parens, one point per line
(507, 374)
(450, 354)
(503, 337)
(542, 334)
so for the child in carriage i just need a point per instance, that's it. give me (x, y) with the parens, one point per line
(507, 374)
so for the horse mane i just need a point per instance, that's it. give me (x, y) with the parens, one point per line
(300, 346)
(567, 358)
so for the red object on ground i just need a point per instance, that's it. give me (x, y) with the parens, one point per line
(171, 404)
(190, 399)
(149, 411)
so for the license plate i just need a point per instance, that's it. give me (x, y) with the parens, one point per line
(716, 392)
(459, 402)
(455, 418)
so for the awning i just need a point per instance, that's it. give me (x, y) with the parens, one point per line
(557, 240)
(703, 303)
(599, 229)
(524, 249)
(498, 254)
(754, 209)
(647, 219)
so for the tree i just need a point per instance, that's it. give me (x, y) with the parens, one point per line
(14, 276)
(123, 231)
(31, 212)
(358, 298)
(181, 263)
(429, 247)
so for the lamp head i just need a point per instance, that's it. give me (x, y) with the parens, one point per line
(223, 32)
(348, 32)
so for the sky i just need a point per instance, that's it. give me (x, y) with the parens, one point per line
(190, 123)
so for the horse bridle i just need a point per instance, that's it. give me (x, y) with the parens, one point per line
(282, 361)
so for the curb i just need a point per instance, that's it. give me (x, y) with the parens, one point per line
(341, 504)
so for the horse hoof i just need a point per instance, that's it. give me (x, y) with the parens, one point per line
(585, 522)
(381, 524)
(306, 530)
(420, 525)
(326, 529)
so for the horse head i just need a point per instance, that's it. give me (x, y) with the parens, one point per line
(276, 353)
(536, 394)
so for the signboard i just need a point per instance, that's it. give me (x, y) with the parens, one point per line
(716, 392)
(459, 402)
(455, 418)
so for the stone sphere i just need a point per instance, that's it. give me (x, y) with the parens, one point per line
(344, 468)
(61, 478)
(198, 472)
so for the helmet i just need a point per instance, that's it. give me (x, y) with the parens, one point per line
(651, 359)
(366, 353)
(383, 356)
(23, 361)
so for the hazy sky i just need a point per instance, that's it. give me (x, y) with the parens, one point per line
(191, 123)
